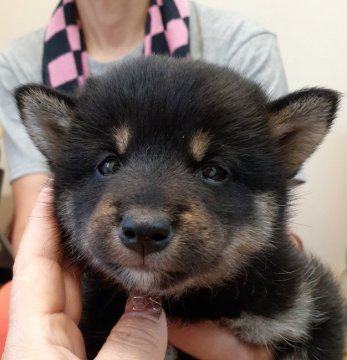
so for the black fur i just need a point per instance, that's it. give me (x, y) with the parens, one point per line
(229, 257)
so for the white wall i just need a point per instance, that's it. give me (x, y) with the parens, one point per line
(312, 39)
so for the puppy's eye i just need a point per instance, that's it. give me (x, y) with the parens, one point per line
(214, 173)
(108, 167)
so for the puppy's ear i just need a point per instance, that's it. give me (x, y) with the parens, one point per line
(299, 122)
(46, 115)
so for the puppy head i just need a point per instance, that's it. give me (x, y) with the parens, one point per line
(171, 174)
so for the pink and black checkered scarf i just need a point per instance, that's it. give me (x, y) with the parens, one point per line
(65, 59)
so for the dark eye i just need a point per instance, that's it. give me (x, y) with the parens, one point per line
(214, 173)
(108, 167)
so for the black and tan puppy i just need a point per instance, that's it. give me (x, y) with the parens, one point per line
(171, 178)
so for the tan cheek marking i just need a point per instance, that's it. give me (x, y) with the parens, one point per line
(255, 237)
(199, 144)
(122, 137)
(197, 223)
(102, 216)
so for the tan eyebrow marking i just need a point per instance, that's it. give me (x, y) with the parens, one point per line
(122, 137)
(199, 143)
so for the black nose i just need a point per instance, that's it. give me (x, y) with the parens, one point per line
(145, 235)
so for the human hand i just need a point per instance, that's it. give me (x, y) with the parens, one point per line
(208, 341)
(45, 305)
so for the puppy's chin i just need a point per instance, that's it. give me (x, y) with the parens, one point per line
(134, 278)
(143, 281)
(159, 284)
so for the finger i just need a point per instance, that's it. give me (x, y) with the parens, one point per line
(38, 287)
(73, 293)
(38, 275)
(37, 290)
(41, 236)
(207, 341)
(141, 334)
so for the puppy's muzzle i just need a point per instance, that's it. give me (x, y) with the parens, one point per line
(145, 234)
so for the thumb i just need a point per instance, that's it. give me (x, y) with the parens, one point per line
(140, 334)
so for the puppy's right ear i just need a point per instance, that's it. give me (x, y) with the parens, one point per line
(47, 115)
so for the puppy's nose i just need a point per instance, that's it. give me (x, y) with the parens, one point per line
(145, 236)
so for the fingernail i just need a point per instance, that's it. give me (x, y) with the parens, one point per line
(143, 304)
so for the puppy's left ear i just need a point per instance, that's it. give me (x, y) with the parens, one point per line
(299, 122)
(47, 115)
